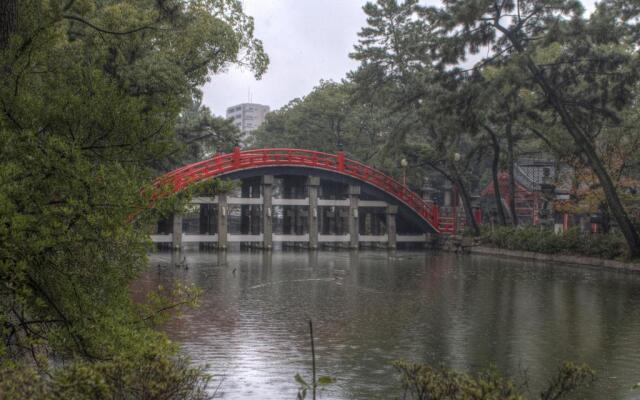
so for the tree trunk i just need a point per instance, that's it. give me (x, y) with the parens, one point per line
(512, 178)
(8, 20)
(584, 144)
(466, 202)
(604, 212)
(494, 174)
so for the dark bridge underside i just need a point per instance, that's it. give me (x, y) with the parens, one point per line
(403, 210)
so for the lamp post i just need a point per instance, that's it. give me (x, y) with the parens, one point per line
(403, 164)
(456, 225)
(428, 191)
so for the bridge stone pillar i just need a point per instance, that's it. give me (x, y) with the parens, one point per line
(313, 184)
(223, 210)
(176, 236)
(354, 195)
(391, 226)
(267, 221)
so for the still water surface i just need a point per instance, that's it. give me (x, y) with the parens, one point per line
(370, 308)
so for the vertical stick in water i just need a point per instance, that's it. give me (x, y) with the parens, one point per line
(313, 360)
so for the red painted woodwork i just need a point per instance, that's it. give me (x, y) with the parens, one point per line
(477, 215)
(527, 200)
(222, 164)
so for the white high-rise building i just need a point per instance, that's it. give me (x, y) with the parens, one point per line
(247, 116)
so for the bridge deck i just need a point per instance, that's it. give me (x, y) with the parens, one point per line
(222, 164)
(398, 202)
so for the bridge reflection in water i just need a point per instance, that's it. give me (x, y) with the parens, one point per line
(296, 197)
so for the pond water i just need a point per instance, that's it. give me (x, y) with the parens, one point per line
(370, 308)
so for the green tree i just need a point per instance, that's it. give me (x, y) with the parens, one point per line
(327, 119)
(584, 68)
(502, 114)
(200, 134)
(558, 69)
(397, 75)
(89, 98)
(444, 141)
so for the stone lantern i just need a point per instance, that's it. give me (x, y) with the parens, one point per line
(547, 195)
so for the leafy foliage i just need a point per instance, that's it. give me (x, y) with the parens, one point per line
(149, 375)
(327, 119)
(201, 135)
(304, 387)
(90, 94)
(397, 75)
(548, 78)
(536, 239)
(423, 382)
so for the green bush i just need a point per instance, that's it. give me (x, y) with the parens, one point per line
(424, 382)
(544, 240)
(148, 376)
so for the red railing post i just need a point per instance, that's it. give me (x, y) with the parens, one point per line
(235, 158)
(340, 159)
(436, 216)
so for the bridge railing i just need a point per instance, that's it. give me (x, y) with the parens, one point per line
(224, 163)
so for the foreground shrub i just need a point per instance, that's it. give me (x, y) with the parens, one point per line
(423, 382)
(154, 376)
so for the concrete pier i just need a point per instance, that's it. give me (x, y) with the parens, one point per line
(313, 184)
(392, 210)
(176, 236)
(267, 220)
(354, 226)
(223, 210)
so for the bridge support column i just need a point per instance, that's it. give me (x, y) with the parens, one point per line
(391, 226)
(354, 195)
(223, 210)
(314, 184)
(267, 220)
(176, 236)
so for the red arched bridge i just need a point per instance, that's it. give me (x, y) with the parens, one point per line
(295, 195)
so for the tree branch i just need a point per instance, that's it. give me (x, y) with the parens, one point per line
(97, 28)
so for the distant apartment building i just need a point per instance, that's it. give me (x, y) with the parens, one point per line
(247, 116)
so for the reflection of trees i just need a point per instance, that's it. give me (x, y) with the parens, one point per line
(370, 308)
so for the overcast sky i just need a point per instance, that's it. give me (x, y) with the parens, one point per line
(306, 40)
